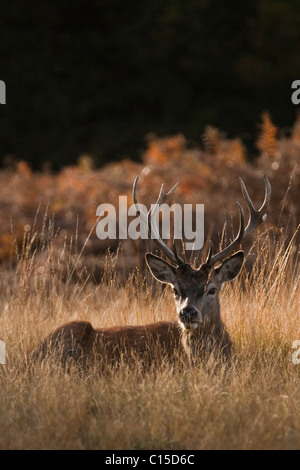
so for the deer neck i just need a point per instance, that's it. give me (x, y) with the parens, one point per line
(205, 338)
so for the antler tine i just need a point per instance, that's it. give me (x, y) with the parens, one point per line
(209, 252)
(256, 216)
(153, 229)
(233, 245)
(162, 196)
(148, 217)
(177, 256)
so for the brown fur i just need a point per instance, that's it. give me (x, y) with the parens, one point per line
(80, 341)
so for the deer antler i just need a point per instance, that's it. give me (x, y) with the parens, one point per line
(255, 219)
(149, 219)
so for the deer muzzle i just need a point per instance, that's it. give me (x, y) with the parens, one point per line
(189, 317)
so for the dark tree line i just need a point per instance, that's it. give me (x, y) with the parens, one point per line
(96, 77)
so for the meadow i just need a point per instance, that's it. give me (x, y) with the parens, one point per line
(54, 270)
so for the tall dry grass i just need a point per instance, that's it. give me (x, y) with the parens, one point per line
(253, 406)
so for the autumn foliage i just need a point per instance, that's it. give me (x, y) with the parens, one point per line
(65, 203)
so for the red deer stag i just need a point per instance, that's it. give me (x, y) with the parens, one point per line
(199, 329)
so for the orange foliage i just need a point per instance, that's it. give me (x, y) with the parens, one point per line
(208, 175)
(164, 150)
(296, 130)
(267, 141)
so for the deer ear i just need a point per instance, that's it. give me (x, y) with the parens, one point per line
(231, 267)
(160, 269)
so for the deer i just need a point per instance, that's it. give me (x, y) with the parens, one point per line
(198, 331)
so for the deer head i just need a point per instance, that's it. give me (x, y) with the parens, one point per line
(196, 290)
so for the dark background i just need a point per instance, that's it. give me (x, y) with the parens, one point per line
(96, 77)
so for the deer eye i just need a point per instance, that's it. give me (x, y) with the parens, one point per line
(212, 291)
(175, 292)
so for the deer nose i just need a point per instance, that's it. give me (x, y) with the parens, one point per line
(187, 314)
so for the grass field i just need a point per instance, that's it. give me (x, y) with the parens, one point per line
(253, 406)
(54, 270)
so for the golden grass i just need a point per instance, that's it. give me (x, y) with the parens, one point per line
(254, 406)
